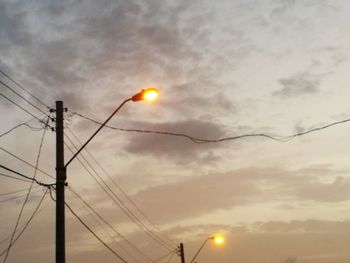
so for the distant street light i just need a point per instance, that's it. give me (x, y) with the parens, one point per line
(217, 239)
(148, 94)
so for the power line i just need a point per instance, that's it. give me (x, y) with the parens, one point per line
(120, 189)
(12, 177)
(31, 179)
(21, 87)
(13, 192)
(14, 197)
(193, 139)
(171, 257)
(27, 163)
(19, 125)
(28, 193)
(31, 114)
(95, 235)
(108, 224)
(120, 203)
(113, 239)
(19, 95)
(201, 140)
(165, 256)
(25, 225)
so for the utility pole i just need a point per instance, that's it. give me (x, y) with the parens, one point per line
(182, 253)
(60, 184)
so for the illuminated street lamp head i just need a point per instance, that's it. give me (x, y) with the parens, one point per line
(218, 239)
(147, 94)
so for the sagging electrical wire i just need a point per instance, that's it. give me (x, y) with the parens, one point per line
(14, 240)
(119, 202)
(171, 257)
(15, 178)
(19, 125)
(16, 197)
(201, 141)
(109, 225)
(28, 193)
(25, 90)
(25, 162)
(24, 224)
(22, 97)
(25, 110)
(121, 190)
(14, 192)
(171, 253)
(29, 179)
(94, 234)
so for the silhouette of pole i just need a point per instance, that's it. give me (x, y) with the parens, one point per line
(60, 184)
(182, 253)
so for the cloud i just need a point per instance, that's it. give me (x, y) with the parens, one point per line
(300, 84)
(13, 29)
(175, 148)
(202, 194)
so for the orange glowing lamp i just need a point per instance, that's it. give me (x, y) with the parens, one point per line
(218, 239)
(147, 94)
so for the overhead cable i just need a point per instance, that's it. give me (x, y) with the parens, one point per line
(121, 190)
(95, 235)
(13, 192)
(28, 193)
(25, 110)
(171, 253)
(201, 140)
(19, 125)
(13, 241)
(116, 199)
(16, 197)
(15, 178)
(21, 87)
(27, 163)
(22, 97)
(109, 225)
(30, 179)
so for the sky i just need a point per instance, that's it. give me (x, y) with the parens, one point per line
(223, 69)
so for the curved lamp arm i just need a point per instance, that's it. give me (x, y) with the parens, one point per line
(93, 135)
(148, 94)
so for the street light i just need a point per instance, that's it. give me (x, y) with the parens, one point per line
(147, 94)
(217, 239)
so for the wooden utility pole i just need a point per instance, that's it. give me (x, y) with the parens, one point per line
(60, 184)
(182, 253)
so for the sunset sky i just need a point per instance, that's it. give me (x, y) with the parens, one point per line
(223, 69)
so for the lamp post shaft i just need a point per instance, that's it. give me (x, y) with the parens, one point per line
(182, 253)
(60, 184)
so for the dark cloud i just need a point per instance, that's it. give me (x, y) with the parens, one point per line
(13, 27)
(113, 44)
(301, 84)
(173, 147)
